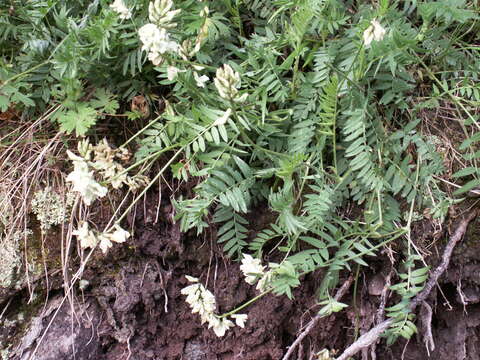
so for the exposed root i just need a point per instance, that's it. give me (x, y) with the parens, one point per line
(426, 320)
(373, 334)
(340, 293)
(380, 316)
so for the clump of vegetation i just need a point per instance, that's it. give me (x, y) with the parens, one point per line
(309, 107)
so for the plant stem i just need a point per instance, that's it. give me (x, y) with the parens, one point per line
(244, 305)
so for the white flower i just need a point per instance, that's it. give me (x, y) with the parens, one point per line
(159, 13)
(252, 269)
(224, 118)
(155, 39)
(172, 72)
(202, 301)
(89, 240)
(119, 7)
(155, 57)
(374, 32)
(227, 81)
(191, 278)
(200, 80)
(190, 291)
(117, 180)
(204, 12)
(264, 281)
(240, 99)
(119, 235)
(240, 319)
(105, 242)
(157, 42)
(83, 181)
(87, 237)
(148, 33)
(164, 44)
(221, 326)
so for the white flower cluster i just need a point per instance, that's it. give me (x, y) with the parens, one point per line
(202, 301)
(119, 7)
(254, 271)
(106, 165)
(374, 32)
(227, 82)
(90, 238)
(83, 180)
(156, 39)
(203, 33)
(154, 36)
(160, 13)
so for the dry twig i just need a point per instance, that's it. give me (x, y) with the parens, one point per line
(373, 334)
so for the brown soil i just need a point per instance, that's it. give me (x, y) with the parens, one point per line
(133, 309)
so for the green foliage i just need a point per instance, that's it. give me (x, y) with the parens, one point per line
(52, 49)
(79, 117)
(470, 172)
(79, 120)
(411, 283)
(233, 231)
(324, 128)
(327, 122)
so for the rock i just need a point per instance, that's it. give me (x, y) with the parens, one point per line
(59, 334)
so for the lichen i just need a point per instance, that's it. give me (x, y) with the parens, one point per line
(4, 353)
(10, 254)
(6, 209)
(51, 208)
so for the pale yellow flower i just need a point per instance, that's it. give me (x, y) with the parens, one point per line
(83, 180)
(252, 269)
(374, 32)
(200, 80)
(87, 237)
(224, 118)
(240, 319)
(119, 7)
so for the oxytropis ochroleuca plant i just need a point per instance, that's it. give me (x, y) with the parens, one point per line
(154, 36)
(202, 301)
(374, 32)
(100, 161)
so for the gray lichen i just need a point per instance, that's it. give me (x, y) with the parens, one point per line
(10, 253)
(51, 208)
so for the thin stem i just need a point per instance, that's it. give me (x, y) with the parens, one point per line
(244, 305)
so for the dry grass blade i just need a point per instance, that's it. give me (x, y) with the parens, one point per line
(25, 167)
